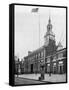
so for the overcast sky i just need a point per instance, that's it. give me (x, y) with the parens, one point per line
(27, 27)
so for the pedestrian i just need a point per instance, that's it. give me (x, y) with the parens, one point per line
(42, 72)
(49, 73)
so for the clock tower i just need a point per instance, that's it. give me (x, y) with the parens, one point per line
(49, 34)
(49, 38)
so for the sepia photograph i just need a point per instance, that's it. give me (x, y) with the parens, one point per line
(40, 44)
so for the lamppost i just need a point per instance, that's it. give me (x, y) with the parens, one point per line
(17, 67)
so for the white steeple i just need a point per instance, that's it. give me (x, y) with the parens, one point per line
(49, 34)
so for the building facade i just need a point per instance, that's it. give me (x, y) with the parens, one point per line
(19, 66)
(50, 55)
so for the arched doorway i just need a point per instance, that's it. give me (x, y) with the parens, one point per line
(31, 68)
(54, 68)
(60, 67)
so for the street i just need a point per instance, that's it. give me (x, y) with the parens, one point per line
(21, 81)
(52, 78)
(33, 78)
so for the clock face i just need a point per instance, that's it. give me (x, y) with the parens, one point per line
(51, 37)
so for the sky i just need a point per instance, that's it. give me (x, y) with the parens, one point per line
(27, 27)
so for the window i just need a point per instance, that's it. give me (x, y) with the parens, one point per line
(48, 67)
(54, 64)
(60, 55)
(36, 56)
(54, 58)
(48, 59)
(42, 54)
(48, 64)
(42, 61)
(39, 55)
(45, 59)
(61, 62)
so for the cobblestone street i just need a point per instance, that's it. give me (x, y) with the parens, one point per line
(25, 81)
(52, 78)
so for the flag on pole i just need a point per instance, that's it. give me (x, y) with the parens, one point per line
(35, 9)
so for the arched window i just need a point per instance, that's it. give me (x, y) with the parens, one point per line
(48, 59)
(42, 54)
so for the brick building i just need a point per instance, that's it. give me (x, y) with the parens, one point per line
(50, 55)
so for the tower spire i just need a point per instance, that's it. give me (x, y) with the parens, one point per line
(49, 34)
(49, 25)
(49, 16)
(49, 19)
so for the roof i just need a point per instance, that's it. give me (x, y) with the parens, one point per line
(56, 52)
(36, 51)
(59, 47)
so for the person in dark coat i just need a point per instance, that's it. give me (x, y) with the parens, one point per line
(42, 72)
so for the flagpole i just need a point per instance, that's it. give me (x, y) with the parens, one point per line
(39, 27)
(35, 10)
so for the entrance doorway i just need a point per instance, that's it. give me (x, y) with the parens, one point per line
(31, 68)
(54, 69)
(60, 67)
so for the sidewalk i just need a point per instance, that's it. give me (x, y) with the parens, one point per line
(52, 78)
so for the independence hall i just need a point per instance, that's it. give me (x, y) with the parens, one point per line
(50, 56)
